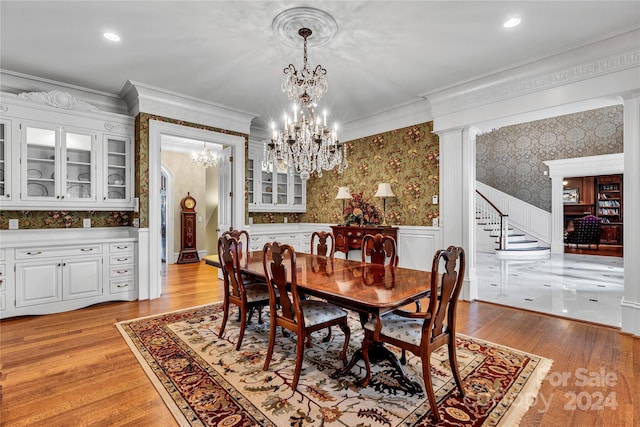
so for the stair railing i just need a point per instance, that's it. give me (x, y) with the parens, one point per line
(493, 219)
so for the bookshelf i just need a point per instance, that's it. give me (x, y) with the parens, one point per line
(609, 207)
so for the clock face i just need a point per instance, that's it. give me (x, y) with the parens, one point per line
(189, 203)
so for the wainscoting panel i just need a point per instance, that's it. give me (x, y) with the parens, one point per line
(416, 246)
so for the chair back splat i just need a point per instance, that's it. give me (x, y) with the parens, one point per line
(320, 241)
(380, 249)
(448, 291)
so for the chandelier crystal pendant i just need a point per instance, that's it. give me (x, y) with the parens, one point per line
(305, 144)
(205, 157)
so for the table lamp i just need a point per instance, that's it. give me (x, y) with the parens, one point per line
(343, 194)
(384, 191)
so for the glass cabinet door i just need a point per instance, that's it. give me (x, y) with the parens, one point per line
(39, 163)
(78, 166)
(298, 190)
(266, 190)
(117, 166)
(282, 188)
(250, 180)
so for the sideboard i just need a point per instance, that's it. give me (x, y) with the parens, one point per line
(350, 238)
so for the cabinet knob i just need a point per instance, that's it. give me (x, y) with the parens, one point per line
(34, 253)
(8, 195)
(86, 249)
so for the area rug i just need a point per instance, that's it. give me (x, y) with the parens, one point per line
(206, 382)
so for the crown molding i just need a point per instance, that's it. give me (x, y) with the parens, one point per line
(412, 113)
(599, 59)
(16, 83)
(153, 100)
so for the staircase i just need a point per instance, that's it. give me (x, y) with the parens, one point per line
(509, 243)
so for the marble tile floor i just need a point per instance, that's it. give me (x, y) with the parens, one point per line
(582, 287)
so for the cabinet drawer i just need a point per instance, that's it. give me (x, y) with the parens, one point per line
(57, 251)
(122, 271)
(122, 259)
(121, 247)
(122, 285)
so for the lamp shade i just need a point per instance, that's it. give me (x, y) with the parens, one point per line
(343, 193)
(384, 190)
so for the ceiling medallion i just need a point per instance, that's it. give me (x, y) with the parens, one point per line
(287, 24)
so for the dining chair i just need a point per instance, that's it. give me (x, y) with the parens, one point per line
(423, 332)
(243, 240)
(291, 311)
(245, 294)
(320, 241)
(379, 249)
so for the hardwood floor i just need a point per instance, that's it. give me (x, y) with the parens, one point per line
(74, 369)
(603, 250)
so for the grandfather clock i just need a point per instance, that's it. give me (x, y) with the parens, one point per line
(188, 250)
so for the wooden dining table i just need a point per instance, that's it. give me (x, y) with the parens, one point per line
(368, 289)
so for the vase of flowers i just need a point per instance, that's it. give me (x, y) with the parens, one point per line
(361, 212)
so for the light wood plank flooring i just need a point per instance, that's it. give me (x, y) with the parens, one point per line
(74, 369)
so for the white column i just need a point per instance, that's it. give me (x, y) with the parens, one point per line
(457, 199)
(557, 214)
(631, 199)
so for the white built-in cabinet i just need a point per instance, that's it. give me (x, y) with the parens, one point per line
(271, 189)
(55, 270)
(60, 158)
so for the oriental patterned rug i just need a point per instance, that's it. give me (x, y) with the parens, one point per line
(206, 382)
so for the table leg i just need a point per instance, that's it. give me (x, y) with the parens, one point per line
(378, 353)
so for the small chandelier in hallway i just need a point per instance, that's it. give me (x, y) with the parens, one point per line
(205, 157)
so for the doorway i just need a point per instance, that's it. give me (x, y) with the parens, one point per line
(157, 131)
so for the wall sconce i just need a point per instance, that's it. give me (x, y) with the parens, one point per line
(343, 194)
(384, 191)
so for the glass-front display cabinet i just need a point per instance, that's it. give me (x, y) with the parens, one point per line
(58, 164)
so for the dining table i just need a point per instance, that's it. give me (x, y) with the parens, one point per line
(366, 288)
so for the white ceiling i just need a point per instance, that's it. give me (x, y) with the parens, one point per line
(385, 54)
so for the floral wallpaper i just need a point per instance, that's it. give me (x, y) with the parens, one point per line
(510, 158)
(64, 219)
(406, 158)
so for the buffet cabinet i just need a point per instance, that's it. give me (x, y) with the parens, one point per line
(350, 238)
(270, 189)
(55, 158)
(41, 274)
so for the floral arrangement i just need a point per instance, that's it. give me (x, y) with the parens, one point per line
(361, 212)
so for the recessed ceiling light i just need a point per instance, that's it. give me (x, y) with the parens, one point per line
(512, 22)
(111, 36)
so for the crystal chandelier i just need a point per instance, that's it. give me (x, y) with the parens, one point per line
(305, 144)
(205, 157)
